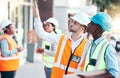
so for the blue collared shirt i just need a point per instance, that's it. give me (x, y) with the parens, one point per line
(4, 49)
(110, 57)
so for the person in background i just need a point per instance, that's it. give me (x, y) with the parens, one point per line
(15, 37)
(48, 49)
(113, 41)
(69, 56)
(101, 54)
(9, 61)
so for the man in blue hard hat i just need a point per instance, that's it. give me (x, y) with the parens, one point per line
(100, 60)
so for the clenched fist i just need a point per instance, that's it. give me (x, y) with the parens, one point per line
(39, 50)
(19, 49)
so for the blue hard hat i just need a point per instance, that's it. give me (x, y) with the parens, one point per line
(103, 19)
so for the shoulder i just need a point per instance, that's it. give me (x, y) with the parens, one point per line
(3, 40)
(110, 51)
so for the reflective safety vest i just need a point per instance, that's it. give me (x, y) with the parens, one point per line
(47, 60)
(96, 61)
(67, 62)
(10, 63)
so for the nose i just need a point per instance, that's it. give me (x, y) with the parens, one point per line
(88, 24)
(71, 24)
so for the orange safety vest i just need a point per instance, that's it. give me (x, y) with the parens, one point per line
(67, 62)
(9, 63)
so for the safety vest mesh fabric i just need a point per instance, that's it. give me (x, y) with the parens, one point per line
(96, 61)
(63, 56)
(47, 60)
(9, 63)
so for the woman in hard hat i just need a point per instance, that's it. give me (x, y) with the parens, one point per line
(9, 61)
(100, 59)
(50, 26)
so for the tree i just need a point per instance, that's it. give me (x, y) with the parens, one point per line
(105, 4)
(111, 6)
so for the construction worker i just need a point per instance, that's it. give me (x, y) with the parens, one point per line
(100, 59)
(71, 49)
(48, 48)
(9, 61)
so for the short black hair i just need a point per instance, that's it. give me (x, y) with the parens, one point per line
(7, 27)
(52, 24)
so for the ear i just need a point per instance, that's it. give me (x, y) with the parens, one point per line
(83, 28)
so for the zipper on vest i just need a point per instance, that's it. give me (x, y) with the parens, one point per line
(71, 57)
(68, 63)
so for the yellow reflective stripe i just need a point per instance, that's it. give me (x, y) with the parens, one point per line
(64, 67)
(61, 50)
(9, 58)
(104, 46)
(48, 62)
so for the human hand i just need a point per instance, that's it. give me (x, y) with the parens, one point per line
(19, 49)
(35, 9)
(39, 50)
(71, 76)
(82, 76)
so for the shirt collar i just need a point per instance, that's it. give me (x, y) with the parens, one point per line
(69, 37)
(98, 40)
(52, 32)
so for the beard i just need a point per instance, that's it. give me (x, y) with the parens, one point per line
(71, 30)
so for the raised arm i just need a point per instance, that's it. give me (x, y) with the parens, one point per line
(38, 25)
(35, 10)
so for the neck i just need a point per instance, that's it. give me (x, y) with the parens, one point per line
(76, 36)
(97, 36)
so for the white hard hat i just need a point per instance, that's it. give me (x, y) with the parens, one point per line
(5, 23)
(53, 21)
(81, 18)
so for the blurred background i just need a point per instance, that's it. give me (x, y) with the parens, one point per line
(21, 13)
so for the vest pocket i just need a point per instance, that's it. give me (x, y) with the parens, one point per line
(92, 62)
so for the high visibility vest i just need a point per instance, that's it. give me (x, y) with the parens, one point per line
(67, 62)
(10, 63)
(96, 61)
(47, 60)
